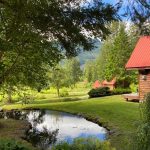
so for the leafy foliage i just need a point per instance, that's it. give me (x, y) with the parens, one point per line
(90, 71)
(7, 144)
(39, 33)
(105, 91)
(98, 92)
(142, 138)
(138, 11)
(73, 71)
(115, 53)
(119, 91)
(58, 78)
(64, 93)
(84, 144)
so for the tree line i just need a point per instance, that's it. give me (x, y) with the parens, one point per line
(114, 54)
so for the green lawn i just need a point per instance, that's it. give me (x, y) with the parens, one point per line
(112, 111)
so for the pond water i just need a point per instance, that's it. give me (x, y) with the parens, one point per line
(49, 127)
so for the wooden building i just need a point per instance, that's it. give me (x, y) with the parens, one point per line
(105, 83)
(140, 60)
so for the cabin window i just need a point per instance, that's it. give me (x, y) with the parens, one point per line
(144, 72)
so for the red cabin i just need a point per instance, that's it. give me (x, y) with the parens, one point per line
(140, 60)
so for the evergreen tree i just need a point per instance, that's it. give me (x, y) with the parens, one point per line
(90, 71)
(114, 54)
(73, 71)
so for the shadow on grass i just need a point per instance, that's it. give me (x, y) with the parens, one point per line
(67, 99)
(47, 101)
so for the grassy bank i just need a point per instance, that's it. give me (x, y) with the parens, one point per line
(113, 111)
(14, 130)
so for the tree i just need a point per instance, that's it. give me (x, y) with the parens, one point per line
(38, 33)
(58, 78)
(90, 71)
(138, 11)
(73, 71)
(142, 135)
(114, 54)
(102, 59)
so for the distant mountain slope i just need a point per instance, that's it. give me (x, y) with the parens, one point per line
(87, 56)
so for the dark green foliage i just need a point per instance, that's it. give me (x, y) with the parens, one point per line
(98, 92)
(119, 91)
(138, 11)
(90, 71)
(34, 34)
(141, 140)
(105, 91)
(7, 144)
(58, 78)
(73, 71)
(84, 144)
(64, 93)
(114, 54)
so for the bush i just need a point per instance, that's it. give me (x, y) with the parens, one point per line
(98, 92)
(134, 87)
(84, 144)
(8, 144)
(63, 93)
(118, 91)
(142, 139)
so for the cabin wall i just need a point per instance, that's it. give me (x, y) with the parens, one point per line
(144, 83)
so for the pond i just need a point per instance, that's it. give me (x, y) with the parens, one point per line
(50, 127)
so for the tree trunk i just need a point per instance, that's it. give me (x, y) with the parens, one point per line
(9, 93)
(58, 92)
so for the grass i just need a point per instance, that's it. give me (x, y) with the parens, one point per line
(112, 111)
(14, 129)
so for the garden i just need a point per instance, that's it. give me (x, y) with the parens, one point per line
(65, 68)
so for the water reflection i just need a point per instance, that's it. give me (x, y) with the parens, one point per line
(43, 139)
(49, 127)
(70, 126)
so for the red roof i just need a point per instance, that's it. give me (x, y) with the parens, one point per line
(96, 84)
(140, 58)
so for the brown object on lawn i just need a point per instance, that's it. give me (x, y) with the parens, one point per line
(134, 97)
(140, 60)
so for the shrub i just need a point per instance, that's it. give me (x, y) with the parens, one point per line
(63, 93)
(134, 87)
(98, 92)
(8, 144)
(84, 144)
(142, 139)
(118, 91)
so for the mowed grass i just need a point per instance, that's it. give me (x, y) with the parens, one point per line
(113, 112)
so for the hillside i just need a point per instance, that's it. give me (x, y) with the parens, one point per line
(91, 55)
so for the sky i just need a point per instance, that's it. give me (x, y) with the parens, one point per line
(113, 2)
